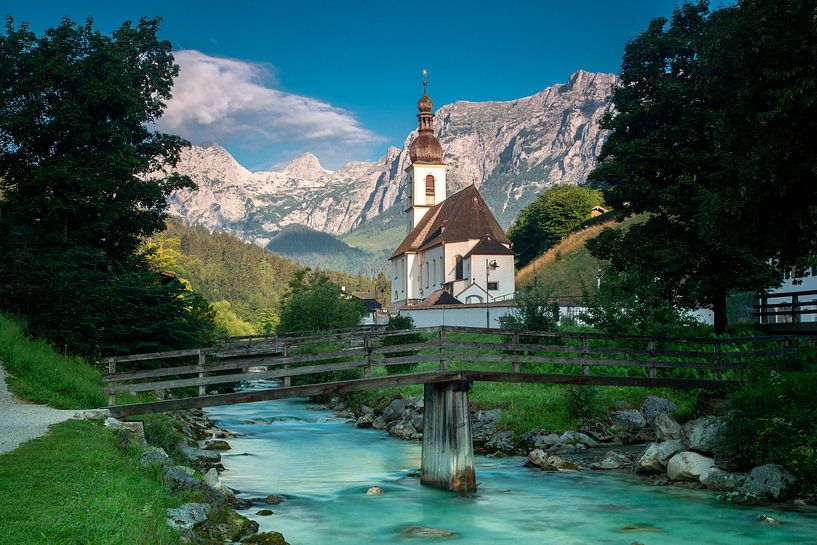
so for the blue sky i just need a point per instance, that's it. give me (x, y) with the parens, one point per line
(269, 80)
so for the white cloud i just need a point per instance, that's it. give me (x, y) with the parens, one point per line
(223, 99)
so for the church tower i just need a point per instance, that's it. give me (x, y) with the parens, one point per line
(426, 174)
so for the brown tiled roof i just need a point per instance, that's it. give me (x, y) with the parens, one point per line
(489, 246)
(462, 216)
(438, 297)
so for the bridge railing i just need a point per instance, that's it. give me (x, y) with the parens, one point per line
(488, 354)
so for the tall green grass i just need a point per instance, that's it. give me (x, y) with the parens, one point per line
(73, 486)
(40, 374)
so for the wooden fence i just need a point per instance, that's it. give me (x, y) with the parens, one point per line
(357, 360)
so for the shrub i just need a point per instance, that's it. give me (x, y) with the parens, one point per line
(582, 401)
(398, 323)
(770, 419)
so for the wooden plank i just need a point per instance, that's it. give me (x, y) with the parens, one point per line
(534, 378)
(251, 396)
(416, 358)
(235, 377)
(790, 293)
(405, 347)
(152, 356)
(236, 363)
(555, 360)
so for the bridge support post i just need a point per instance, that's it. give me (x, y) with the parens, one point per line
(448, 453)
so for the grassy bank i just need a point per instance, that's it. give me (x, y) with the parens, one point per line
(73, 486)
(40, 374)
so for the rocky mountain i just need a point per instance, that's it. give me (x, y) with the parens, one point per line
(511, 150)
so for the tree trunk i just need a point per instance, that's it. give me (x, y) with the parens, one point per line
(719, 308)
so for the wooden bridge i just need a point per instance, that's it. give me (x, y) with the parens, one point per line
(447, 360)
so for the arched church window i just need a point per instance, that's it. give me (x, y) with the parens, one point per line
(434, 273)
(426, 273)
(429, 189)
(458, 268)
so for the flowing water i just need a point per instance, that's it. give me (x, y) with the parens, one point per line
(324, 466)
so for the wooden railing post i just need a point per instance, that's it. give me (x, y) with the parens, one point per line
(367, 346)
(443, 366)
(111, 371)
(651, 349)
(585, 357)
(515, 350)
(718, 359)
(202, 360)
(285, 353)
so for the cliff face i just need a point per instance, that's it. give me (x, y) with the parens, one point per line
(510, 150)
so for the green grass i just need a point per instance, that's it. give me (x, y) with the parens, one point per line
(40, 374)
(528, 406)
(73, 486)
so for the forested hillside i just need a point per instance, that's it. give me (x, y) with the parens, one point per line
(223, 268)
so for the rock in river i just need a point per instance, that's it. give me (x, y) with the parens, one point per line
(266, 538)
(374, 491)
(771, 482)
(688, 466)
(424, 531)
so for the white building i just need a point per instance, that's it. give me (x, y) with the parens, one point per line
(454, 243)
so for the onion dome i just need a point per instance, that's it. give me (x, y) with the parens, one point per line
(425, 148)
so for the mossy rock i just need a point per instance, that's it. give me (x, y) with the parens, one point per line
(267, 538)
(225, 524)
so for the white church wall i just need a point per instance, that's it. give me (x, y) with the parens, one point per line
(458, 315)
(503, 275)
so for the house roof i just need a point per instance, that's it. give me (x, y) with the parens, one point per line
(438, 297)
(488, 245)
(462, 216)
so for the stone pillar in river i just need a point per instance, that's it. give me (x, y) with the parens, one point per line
(448, 453)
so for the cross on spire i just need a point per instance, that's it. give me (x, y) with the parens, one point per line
(425, 81)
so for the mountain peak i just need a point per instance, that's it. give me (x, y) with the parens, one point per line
(305, 166)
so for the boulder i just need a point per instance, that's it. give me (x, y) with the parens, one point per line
(538, 439)
(200, 457)
(153, 455)
(274, 499)
(703, 434)
(180, 479)
(403, 430)
(131, 432)
(217, 444)
(483, 425)
(365, 421)
(378, 423)
(650, 462)
(424, 531)
(668, 449)
(688, 466)
(577, 438)
(628, 420)
(211, 479)
(230, 526)
(93, 414)
(653, 406)
(666, 428)
(396, 409)
(612, 460)
(187, 515)
(416, 420)
(539, 459)
(374, 491)
(598, 430)
(501, 442)
(770, 481)
(264, 512)
(266, 538)
(718, 479)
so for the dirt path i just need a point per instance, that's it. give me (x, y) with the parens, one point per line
(21, 421)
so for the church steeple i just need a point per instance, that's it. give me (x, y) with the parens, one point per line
(426, 173)
(425, 148)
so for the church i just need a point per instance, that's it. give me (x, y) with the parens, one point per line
(455, 251)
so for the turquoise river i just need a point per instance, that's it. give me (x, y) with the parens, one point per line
(324, 466)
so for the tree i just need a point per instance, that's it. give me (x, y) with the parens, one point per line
(80, 189)
(663, 156)
(548, 219)
(315, 303)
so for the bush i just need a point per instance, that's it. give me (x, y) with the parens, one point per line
(398, 323)
(582, 401)
(770, 419)
(314, 303)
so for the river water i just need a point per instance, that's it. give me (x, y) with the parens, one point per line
(324, 466)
